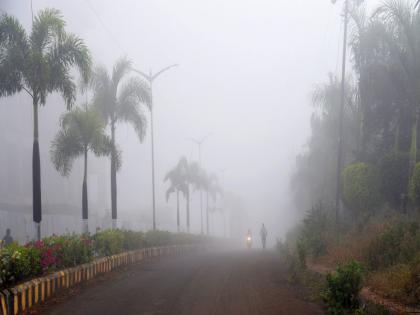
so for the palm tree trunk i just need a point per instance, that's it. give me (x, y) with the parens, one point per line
(36, 176)
(177, 210)
(113, 178)
(188, 210)
(85, 210)
(207, 212)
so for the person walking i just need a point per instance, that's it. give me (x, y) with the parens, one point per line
(7, 239)
(263, 234)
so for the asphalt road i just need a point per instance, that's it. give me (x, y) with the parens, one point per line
(225, 282)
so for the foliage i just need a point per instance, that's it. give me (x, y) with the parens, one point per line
(109, 242)
(15, 264)
(133, 240)
(392, 282)
(398, 243)
(317, 230)
(393, 173)
(414, 191)
(301, 251)
(360, 188)
(19, 263)
(81, 131)
(343, 287)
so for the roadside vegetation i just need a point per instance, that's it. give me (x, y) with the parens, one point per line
(374, 240)
(22, 262)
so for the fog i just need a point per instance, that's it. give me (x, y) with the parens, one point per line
(246, 70)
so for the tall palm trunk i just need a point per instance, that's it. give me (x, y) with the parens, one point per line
(113, 178)
(36, 176)
(188, 210)
(177, 210)
(207, 212)
(85, 210)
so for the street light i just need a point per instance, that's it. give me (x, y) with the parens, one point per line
(150, 78)
(199, 142)
(340, 123)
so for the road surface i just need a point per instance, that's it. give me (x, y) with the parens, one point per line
(238, 282)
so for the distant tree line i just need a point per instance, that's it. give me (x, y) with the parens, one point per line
(381, 118)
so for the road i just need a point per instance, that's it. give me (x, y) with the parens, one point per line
(224, 282)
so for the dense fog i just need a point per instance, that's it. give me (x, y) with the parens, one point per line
(245, 73)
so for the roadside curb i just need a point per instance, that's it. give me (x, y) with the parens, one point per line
(21, 298)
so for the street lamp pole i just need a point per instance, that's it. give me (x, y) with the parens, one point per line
(340, 123)
(199, 142)
(150, 78)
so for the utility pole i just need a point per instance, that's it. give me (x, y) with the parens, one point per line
(340, 122)
(199, 142)
(150, 78)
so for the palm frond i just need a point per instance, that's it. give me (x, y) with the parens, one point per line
(70, 50)
(136, 89)
(65, 148)
(121, 68)
(13, 52)
(128, 109)
(104, 97)
(48, 26)
(80, 130)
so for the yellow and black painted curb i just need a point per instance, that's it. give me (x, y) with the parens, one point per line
(21, 298)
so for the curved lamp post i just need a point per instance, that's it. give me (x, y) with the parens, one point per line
(150, 78)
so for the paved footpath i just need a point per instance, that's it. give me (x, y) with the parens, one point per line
(238, 282)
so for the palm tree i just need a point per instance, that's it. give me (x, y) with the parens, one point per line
(197, 179)
(212, 189)
(403, 24)
(40, 63)
(82, 131)
(118, 99)
(177, 178)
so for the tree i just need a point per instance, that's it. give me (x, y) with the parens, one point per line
(82, 131)
(197, 178)
(118, 99)
(178, 183)
(40, 64)
(402, 24)
(213, 189)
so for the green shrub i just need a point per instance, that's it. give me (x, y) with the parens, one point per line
(15, 264)
(361, 188)
(133, 240)
(399, 243)
(414, 189)
(341, 293)
(317, 230)
(393, 173)
(392, 282)
(158, 238)
(109, 242)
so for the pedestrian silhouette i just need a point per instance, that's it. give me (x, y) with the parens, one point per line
(263, 234)
(8, 239)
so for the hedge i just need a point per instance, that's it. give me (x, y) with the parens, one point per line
(22, 262)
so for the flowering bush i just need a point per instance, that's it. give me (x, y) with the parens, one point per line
(15, 264)
(18, 263)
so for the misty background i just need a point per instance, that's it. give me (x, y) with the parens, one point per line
(246, 71)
